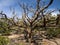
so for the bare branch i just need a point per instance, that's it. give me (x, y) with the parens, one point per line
(51, 1)
(38, 7)
(38, 12)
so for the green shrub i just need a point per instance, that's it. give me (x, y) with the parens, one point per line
(3, 28)
(53, 32)
(5, 32)
(4, 40)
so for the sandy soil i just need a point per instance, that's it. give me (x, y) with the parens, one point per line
(45, 41)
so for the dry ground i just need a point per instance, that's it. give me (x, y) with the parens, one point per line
(16, 41)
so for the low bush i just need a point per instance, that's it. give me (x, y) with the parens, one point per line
(52, 32)
(4, 40)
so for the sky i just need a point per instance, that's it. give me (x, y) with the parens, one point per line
(7, 5)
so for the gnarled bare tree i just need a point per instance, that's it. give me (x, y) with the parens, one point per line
(31, 23)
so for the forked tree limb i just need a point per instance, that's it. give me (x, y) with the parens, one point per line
(41, 10)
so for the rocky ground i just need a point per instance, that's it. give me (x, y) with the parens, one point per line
(19, 40)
